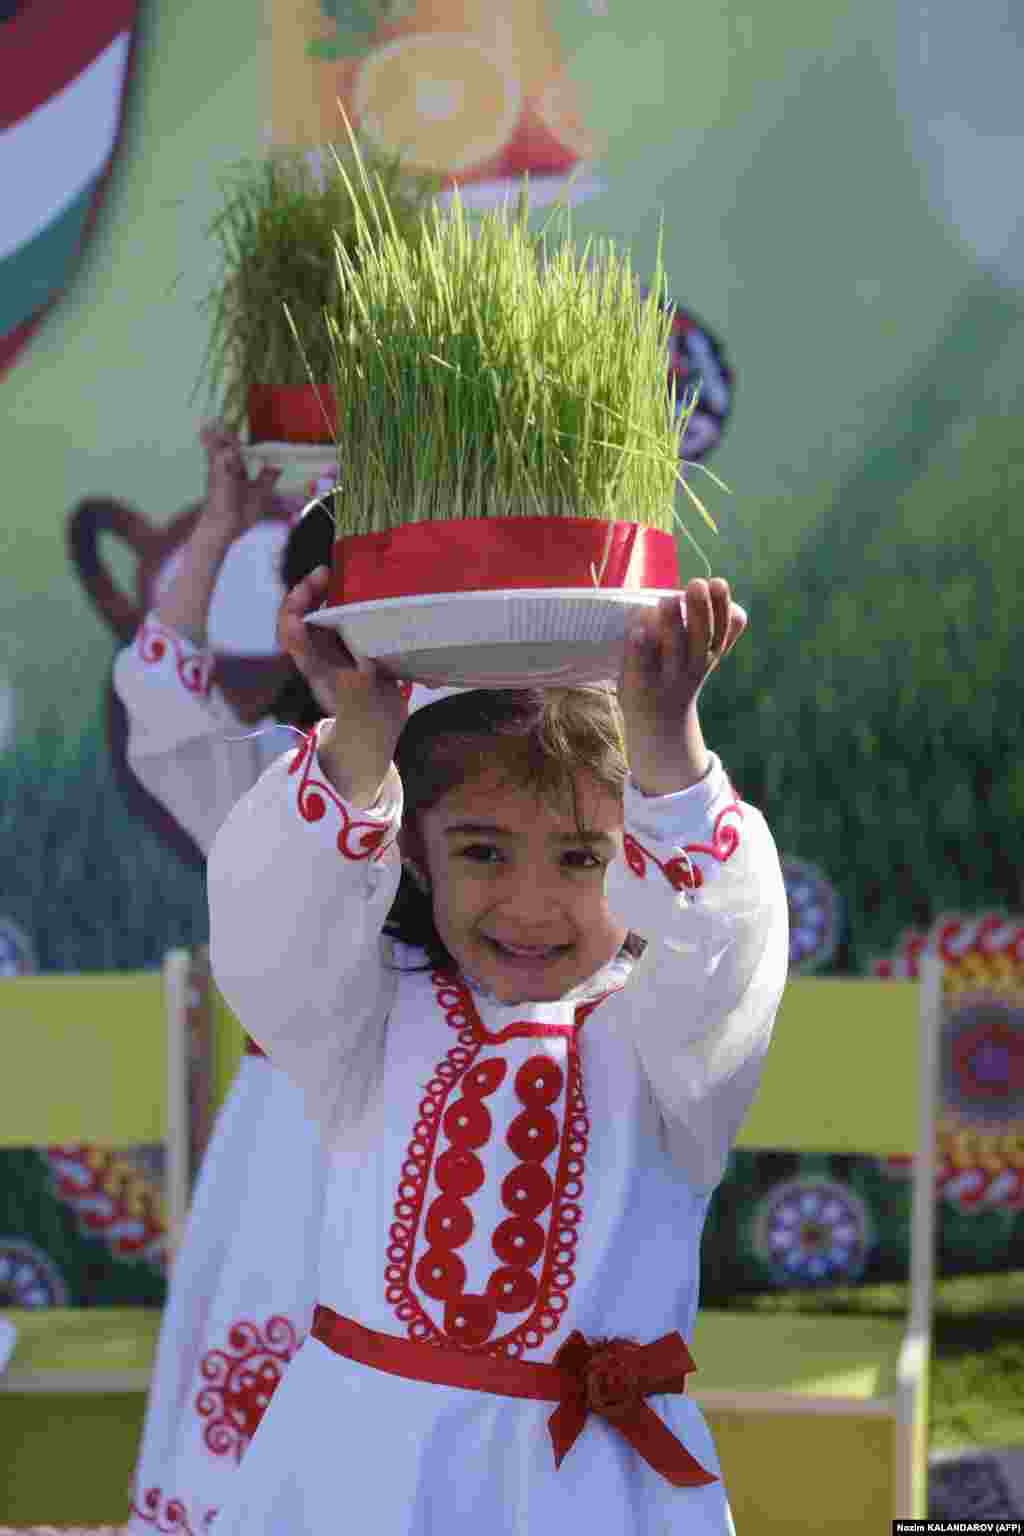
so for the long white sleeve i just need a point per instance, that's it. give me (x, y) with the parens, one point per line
(300, 884)
(701, 882)
(182, 742)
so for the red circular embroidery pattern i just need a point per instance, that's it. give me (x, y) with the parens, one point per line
(520, 1241)
(242, 1379)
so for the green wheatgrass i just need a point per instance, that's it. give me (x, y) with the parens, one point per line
(276, 236)
(485, 371)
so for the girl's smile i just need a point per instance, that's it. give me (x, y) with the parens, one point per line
(518, 884)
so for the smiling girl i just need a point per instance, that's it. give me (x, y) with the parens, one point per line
(528, 1052)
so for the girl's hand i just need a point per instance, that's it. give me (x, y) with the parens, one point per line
(234, 503)
(367, 705)
(670, 653)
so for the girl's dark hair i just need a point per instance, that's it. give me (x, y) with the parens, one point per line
(540, 738)
(310, 543)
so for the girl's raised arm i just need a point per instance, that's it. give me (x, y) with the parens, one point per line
(302, 876)
(701, 882)
(300, 882)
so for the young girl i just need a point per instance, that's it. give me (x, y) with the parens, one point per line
(243, 1283)
(527, 1092)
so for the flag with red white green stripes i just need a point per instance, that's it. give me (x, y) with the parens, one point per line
(63, 71)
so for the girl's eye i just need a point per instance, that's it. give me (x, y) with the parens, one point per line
(480, 853)
(583, 858)
(575, 859)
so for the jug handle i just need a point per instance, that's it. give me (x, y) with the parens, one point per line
(96, 515)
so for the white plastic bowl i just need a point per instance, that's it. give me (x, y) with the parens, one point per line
(511, 639)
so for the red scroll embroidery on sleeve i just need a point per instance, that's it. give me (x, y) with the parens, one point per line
(680, 871)
(194, 671)
(357, 839)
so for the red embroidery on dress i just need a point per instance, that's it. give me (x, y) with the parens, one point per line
(357, 839)
(168, 1515)
(242, 1382)
(680, 872)
(519, 1241)
(194, 671)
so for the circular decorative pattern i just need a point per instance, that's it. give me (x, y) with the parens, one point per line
(814, 916)
(111, 1200)
(528, 1191)
(29, 1277)
(812, 1232)
(696, 362)
(982, 1061)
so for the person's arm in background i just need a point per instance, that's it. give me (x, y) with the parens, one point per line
(233, 505)
(188, 745)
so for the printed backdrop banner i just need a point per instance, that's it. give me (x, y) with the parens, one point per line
(835, 188)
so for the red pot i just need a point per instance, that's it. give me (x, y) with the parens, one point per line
(291, 413)
(489, 554)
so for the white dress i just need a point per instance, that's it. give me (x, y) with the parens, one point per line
(441, 1109)
(244, 1279)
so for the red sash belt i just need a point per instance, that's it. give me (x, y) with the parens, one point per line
(610, 1377)
(252, 1049)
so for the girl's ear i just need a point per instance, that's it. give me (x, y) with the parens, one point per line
(414, 856)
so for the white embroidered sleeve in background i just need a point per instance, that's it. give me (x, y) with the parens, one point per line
(185, 742)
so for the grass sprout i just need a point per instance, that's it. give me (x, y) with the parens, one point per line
(276, 234)
(484, 370)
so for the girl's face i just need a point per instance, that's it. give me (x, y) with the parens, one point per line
(519, 896)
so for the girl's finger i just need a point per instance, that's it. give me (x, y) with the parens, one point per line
(737, 624)
(228, 461)
(700, 621)
(720, 605)
(327, 652)
(642, 637)
(672, 638)
(214, 440)
(640, 655)
(307, 593)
